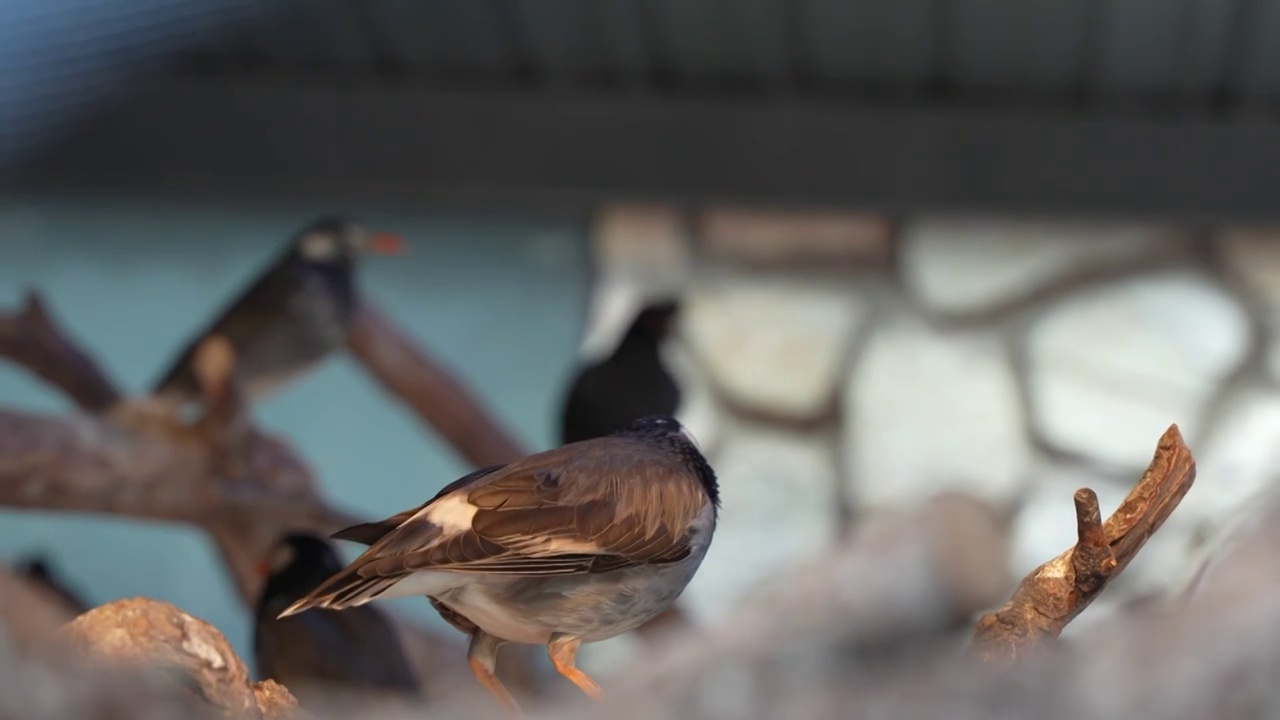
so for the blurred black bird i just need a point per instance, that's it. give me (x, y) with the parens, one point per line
(37, 570)
(291, 317)
(629, 384)
(323, 653)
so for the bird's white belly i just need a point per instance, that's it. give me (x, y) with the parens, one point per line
(497, 618)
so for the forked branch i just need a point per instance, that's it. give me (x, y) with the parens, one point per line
(1052, 595)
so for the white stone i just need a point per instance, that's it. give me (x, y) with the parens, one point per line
(928, 412)
(644, 241)
(971, 265)
(775, 237)
(772, 344)
(1251, 256)
(615, 301)
(698, 412)
(1237, 461)
(779, 502)
(1111, 368)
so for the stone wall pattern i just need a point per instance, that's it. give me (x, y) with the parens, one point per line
(843, 365)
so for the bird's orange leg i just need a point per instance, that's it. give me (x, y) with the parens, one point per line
(482, 656)
(563, 650)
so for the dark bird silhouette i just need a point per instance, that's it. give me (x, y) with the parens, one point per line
(292, 315)
(577, 544)
(323, 653)
(631, 383)
(37, 570)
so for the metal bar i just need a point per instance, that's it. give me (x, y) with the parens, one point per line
(221, 133)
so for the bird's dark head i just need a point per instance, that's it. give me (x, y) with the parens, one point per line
(667, 433)
(295, 564)
(655, 320)
(338, 241)
(34, 567)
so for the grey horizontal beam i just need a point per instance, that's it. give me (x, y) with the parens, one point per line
(242, 135)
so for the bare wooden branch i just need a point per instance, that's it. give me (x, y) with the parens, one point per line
(135, 458)
(408, 373)
(32, 341)
(1052, 595)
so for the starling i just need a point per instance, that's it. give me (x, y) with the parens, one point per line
(291, 317)
(577, 544)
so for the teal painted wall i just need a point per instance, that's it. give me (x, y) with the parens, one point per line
(500, 300)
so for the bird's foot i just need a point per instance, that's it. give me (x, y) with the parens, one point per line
(563, 650)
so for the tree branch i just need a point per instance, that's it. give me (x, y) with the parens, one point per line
(32, 341)
(135, 458)
(420, 382)
(1052, 595)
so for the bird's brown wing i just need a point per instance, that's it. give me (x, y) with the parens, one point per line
(593, 506)
(588, 507)
(370, 533)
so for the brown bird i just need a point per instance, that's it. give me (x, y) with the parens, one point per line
(323, 653)
(291, 317)
(631, 383)
(572, 545)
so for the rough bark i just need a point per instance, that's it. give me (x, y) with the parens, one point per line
(418, 381)
(1055, 593)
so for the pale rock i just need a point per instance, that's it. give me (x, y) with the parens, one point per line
(779, 498)
(648, 242)
(615, 302)
(790, 237)
(971, 265)
(1112, 368)
(699, 412)
(1239, 459)
(641, 255)
(774, 345)
(929, 412)
(1271, 358)
(1251, 257)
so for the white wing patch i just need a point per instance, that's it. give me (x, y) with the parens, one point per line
(452, 514)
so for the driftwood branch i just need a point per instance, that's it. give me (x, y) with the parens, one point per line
(31, 339)
(134, 458)
(417, 380)
(1052, 595)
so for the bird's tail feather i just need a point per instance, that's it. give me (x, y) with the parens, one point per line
(347, 589)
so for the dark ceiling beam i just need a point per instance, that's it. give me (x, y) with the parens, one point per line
(220, 135)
